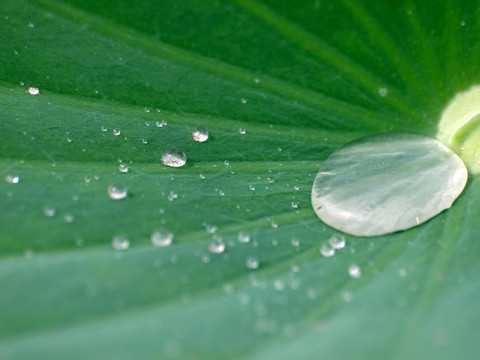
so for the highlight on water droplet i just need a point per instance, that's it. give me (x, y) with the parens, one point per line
(386, 183)
(242, 131)
(174, 158)
(120, 242)
(116, 132)
(217, 246)
(117, 191)
(354, 271)
(161, 238)
(337, 241)
(12, 179)
(200, 134)
(252, 262)
(33, 90)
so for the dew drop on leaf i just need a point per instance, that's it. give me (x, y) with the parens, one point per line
(120, 242)
(200, 134)
(116, 132)
(117, 192)
(123, 168)
(217, 246)
(243, 237)
(327, 250)
(12, 179)
(385, 183)
(33, 91)
(49, 211)
(252, 262)
(161, 238)
(337, 241)
(174, 158)
(354, 271)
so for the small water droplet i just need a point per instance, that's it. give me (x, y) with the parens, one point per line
(22, 83)
(244, 101)
(123, 168)
(251, 187)
(274, 224)
(174, 158)
(33, 90)
(144, 141)
(270, 180)
(221, 193)
(117, 192)
(252, 262)
(117, 132)
(211, 229)
(242, 131)
(103, 128)
(120, 242)
(327, 250)
(354, 271)
(296, 188)
(161, 238)
(243, 237)
(49, 211)
(69, 140)
(172, 196)
(147, 110)
(294, 205)
(256, 80)
(462, 23)
(160, 123)
(337, 241)
(31, 25)
(202, 176)
(68, 218)
(295, 242)
(402, 272)
(217, 246)
(200, 134)
(12, 179)
(226, 163)
(279, 285)
(383, 92)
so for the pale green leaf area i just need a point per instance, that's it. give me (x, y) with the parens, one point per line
(302, 79)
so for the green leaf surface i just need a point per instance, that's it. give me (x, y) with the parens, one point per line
(302, 79)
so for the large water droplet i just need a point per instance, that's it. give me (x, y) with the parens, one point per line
(200, 134)
(161, 238)
(174, 158)
(386, 183)
(117, 192)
